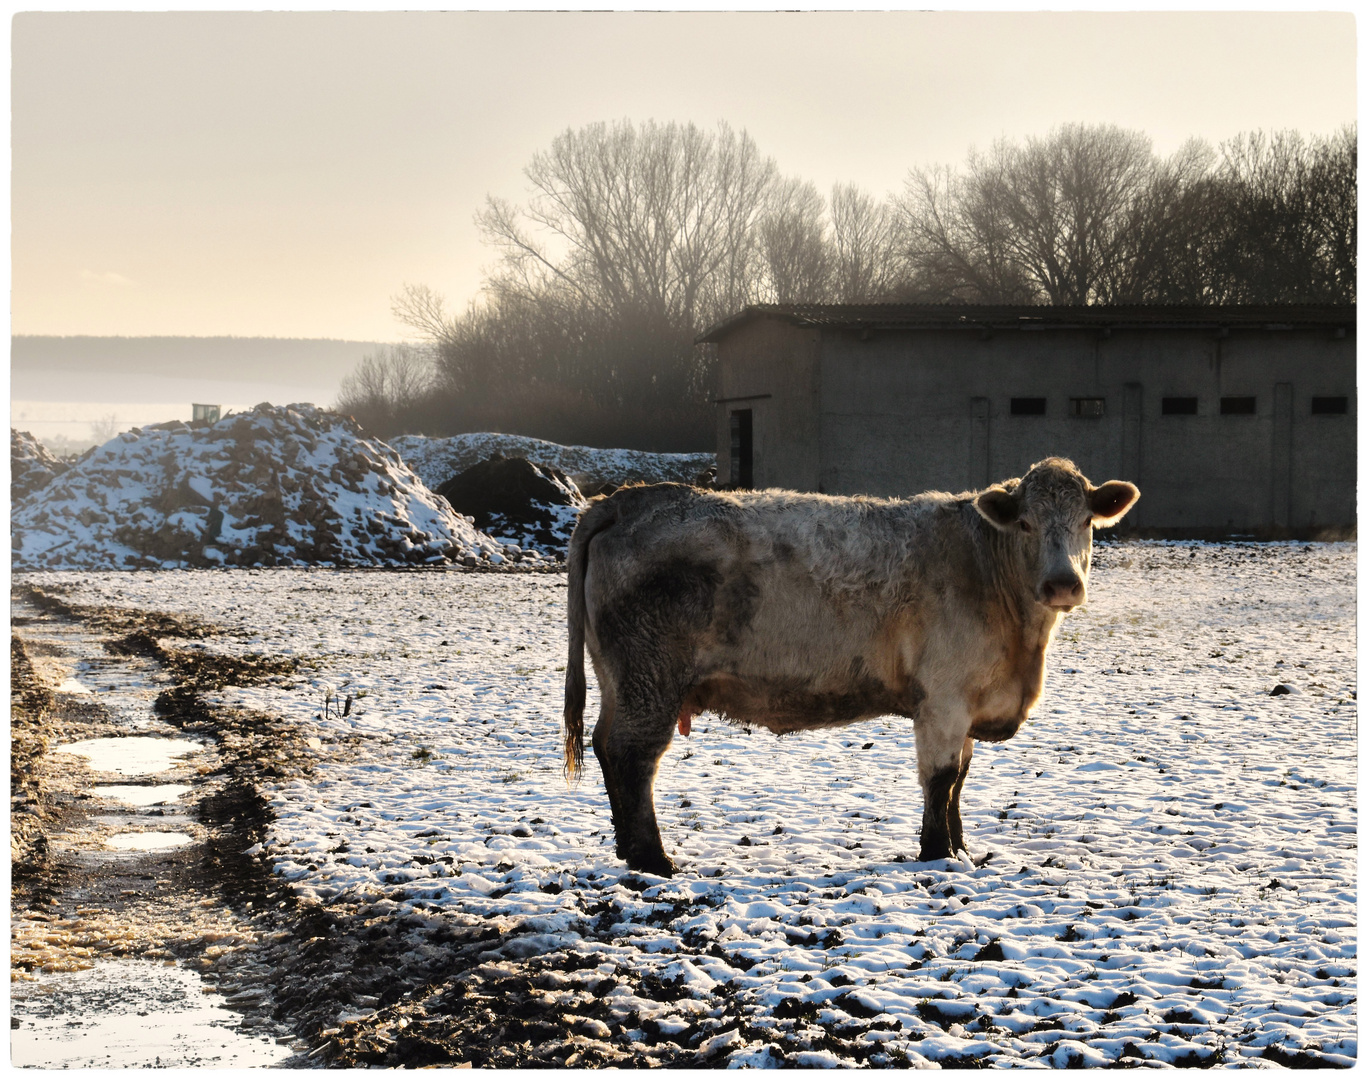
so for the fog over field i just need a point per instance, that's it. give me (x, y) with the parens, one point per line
(70, 389)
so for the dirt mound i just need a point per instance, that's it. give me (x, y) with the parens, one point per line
(288, 485)
(32, 466)
(437, 459)
(518, 501)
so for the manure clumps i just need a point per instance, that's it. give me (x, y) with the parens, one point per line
(519, 502)
(277, 486)
(437, 460)
(32, 466)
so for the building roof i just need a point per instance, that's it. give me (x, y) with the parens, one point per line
(995, 317)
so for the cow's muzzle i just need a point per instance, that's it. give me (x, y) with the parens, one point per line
(1062, 591)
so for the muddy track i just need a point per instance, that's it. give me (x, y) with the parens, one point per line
(355, 984)
(201, 905)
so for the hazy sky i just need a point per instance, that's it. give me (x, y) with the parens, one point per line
(286, 174)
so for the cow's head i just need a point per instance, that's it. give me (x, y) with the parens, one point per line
(1051, 512)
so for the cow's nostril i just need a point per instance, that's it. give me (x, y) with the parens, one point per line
(1062, 590)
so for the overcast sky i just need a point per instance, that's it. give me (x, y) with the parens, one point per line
(286, 174)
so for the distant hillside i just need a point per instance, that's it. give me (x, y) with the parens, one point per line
(241, 359)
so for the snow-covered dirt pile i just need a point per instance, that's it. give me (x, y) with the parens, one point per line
(438, 460)
(1173, 848)
(32, 465)
(273, 486)
(518, 502)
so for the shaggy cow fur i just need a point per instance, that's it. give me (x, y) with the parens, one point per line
(795, 611)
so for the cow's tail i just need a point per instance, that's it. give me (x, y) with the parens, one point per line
(599, 516)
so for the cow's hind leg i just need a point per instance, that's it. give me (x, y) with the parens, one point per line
(629, 752)
(607, 711)
(953, 817)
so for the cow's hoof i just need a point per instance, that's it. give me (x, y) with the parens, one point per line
(660, 864)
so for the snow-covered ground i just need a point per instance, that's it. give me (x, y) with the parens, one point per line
(1173, 849)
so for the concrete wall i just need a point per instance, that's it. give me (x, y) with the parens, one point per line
(771, 368)
(898, 412)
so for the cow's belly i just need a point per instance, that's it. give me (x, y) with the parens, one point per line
(782, 654)
(792, 704)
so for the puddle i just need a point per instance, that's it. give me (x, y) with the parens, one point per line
(90, 1020)
(66, 655)
(132, 756)
(148, 841)
(140, 794)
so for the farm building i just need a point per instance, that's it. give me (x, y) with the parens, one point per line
(1232, 420)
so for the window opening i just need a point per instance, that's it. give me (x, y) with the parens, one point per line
(1238, 406)
(1329, 406)
(1178, 406)
(1028, 406)
(1087, 406)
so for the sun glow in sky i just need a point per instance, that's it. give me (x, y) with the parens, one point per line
(286, 174)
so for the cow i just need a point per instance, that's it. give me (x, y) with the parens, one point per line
(799, 611)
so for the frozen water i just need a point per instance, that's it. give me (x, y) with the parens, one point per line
(134, 755)
(148, 841)
(141, 794)
(90, 1020)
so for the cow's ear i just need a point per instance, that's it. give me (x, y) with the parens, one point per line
(999, 507)
(1110, 502)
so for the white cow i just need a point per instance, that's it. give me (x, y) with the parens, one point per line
(795, 611)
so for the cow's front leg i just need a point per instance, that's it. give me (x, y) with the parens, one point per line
(940, 749)
(953, 818)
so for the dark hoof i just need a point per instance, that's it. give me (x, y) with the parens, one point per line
(659, 864)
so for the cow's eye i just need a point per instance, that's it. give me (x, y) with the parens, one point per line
(1025, 525)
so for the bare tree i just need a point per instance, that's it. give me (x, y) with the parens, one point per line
(386, 386)
(652, 222)
(795, 245)
(1071, 199)
(1091, 215)
(421, 309)
(865, 240)
(958, 236)
(1333, 204)
(105, 428)
(1290, 217)
(1159, 243)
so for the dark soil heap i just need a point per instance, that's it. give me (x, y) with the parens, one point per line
(291, 485)
(436, 459)
(32, 465)
(518, 501)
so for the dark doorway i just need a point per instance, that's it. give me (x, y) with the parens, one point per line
(742, 467)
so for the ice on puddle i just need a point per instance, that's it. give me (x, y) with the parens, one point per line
(141, 794)
(148, 841)
(133, 755)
